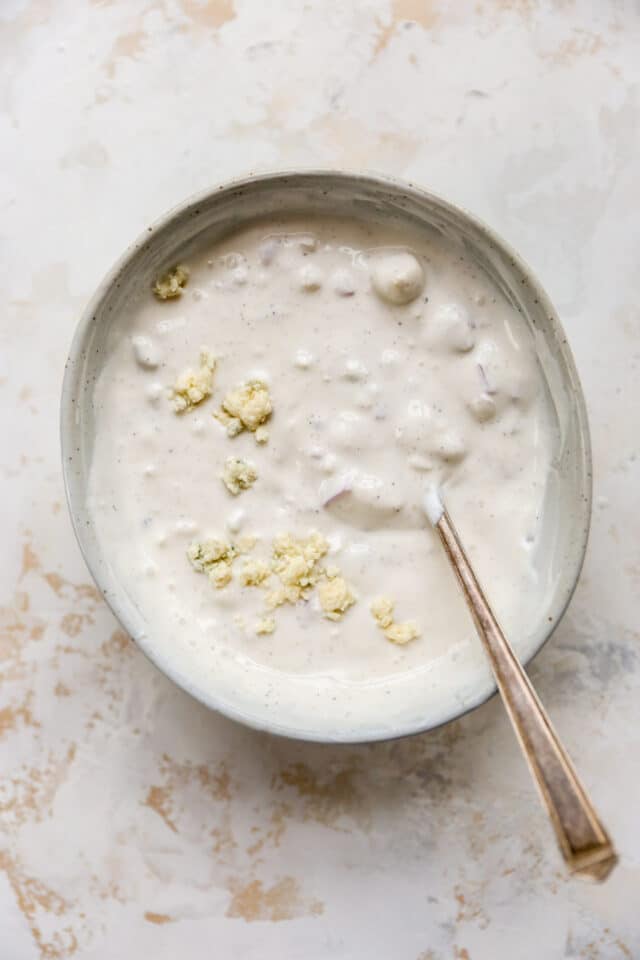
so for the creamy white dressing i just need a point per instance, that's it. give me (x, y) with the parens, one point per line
(393, 364)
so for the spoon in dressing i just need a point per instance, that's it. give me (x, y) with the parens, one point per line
(584, 843)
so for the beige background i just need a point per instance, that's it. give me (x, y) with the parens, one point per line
(134, 823)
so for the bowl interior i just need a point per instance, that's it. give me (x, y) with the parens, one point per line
(204, 220)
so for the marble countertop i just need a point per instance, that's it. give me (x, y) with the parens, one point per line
(132, 821)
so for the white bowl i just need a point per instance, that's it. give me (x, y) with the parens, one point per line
(203, 219)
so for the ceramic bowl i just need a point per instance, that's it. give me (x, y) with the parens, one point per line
(207, 217)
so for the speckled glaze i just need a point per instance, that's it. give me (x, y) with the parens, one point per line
(202, 220)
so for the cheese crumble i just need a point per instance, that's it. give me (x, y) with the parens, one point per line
(238, 475)
(254, 573)
(295, 562)
(399, 633)
(213, 557)
(194, 386)
(335, 597)
(247, 407)
(171, 284)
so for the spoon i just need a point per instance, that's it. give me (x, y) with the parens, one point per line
(584, 842)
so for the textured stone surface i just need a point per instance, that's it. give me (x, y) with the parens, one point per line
(133, 821)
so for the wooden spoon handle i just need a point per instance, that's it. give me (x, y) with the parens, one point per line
(584, 843)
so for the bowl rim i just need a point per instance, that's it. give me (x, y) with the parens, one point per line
(67, 424)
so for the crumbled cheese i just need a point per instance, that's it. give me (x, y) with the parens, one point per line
(194, 386)
(202, 555)
(295, 562)
(335, 597)
(213, 557)
(232, 424)
(238, 475)
(281, 595)
(261, 435)
(382, 610)
(254, 573)
(314, 548)
(171, 284)
(220, 574)
(247, 407)
(400, 633)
